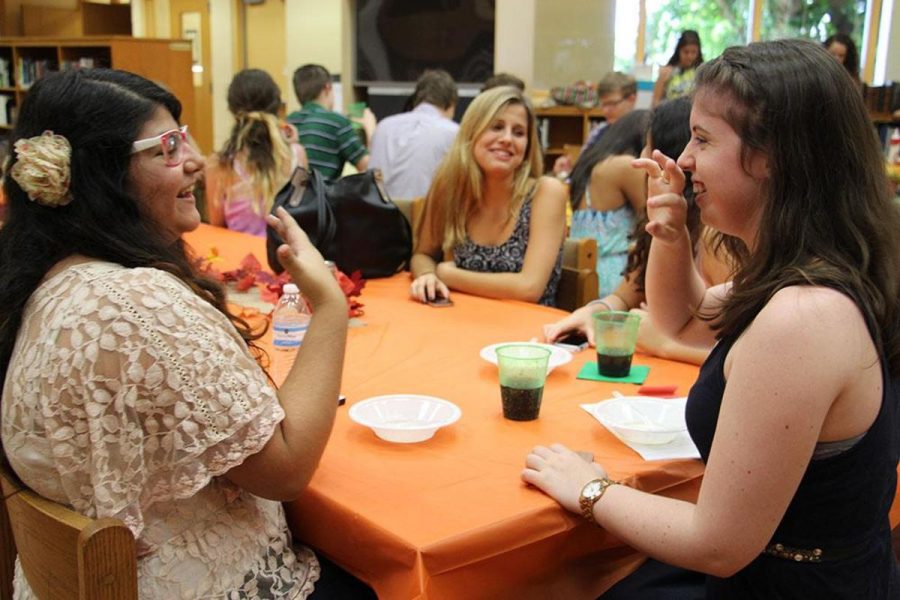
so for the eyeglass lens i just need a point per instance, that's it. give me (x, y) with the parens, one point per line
(172, 146)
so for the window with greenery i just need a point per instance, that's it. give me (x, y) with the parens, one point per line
(724, 23)
(720, 23)
(814, 19)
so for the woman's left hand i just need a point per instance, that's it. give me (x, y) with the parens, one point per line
(560, 473)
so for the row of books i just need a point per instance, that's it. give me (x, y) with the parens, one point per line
(29, 70)
(7, 109)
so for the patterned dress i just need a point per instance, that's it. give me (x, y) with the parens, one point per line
(509, 256)
(681, 83)
(611, 229)
(128, 396)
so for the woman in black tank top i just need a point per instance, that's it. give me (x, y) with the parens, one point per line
(796, 410)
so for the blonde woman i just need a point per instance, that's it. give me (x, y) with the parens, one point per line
(493, 226)
(256, 161)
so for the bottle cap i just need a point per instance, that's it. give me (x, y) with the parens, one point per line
(290, 288)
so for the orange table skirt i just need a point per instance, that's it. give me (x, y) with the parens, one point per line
(450, 517)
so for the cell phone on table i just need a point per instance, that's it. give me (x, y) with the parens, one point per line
(440, 302)
(574, 341)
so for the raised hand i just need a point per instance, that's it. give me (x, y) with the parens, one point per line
(302, 260)
(666, 206)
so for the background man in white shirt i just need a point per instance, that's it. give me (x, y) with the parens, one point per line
(409, 146)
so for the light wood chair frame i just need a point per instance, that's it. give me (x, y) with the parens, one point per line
(579, 283)
(64, 555)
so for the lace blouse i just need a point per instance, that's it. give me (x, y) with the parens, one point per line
(127, 396)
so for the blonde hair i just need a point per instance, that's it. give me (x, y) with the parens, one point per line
(258, 142)
(458, 185)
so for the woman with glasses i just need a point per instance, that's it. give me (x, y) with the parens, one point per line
(256, 160)
(130, 390)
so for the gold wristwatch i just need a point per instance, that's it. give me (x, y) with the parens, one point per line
(591, 492)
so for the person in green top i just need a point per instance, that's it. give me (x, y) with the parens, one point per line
(328, 137)
(676, 78)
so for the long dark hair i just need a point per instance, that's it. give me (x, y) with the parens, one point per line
(100, 112)
(625, 136)
(828, 217)
(851, 59)
(689, 37)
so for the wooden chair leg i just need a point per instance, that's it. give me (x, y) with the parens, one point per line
(7, 554)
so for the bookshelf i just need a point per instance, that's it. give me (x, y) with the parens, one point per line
(24, 60)
(559, 126)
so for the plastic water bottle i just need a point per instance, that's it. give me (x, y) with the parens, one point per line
(289, 324)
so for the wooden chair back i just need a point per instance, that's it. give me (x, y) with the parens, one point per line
(64, 555)
(579, 283)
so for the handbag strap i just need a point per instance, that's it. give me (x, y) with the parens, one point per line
(326, 227)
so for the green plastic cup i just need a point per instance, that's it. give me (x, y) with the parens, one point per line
(615, 334)
(523, 370)
(355, 111)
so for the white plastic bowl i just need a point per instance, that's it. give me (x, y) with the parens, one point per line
(558, 356)
(404, 418)
(642, 420)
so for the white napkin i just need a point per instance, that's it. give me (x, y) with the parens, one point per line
(681, 447)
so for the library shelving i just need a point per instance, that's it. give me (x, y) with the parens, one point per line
(562, 126)
(24, 60)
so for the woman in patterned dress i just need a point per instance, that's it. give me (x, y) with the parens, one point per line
(492, 226)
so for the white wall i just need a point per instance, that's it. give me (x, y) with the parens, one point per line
(547, 45)
(313, 36)
(221, 18)
(514, 30)
(892, 72)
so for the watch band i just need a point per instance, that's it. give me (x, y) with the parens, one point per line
(588, 500)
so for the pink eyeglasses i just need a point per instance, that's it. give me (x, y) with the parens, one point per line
(172, 143)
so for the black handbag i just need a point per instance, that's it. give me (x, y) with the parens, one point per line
(351, 221)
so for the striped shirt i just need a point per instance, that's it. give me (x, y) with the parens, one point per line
(329, 139)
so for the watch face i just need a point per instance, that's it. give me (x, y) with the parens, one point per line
(592, 488)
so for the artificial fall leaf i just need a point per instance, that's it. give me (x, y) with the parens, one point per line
(245, 283)
(250, 264)
(213, 255)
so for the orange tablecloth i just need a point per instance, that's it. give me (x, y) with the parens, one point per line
(450, 517)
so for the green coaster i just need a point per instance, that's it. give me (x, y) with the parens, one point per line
(637, 375)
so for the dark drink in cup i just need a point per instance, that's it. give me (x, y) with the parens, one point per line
(614, 365)
(519, 404)
(615, 335)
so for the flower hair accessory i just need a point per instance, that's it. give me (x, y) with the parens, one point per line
(42, 168)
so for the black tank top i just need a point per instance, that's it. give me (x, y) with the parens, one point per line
(840, 507)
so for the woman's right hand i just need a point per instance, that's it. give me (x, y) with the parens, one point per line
(580, 321)
(303, 261)
(427, 287)
(666, 206)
